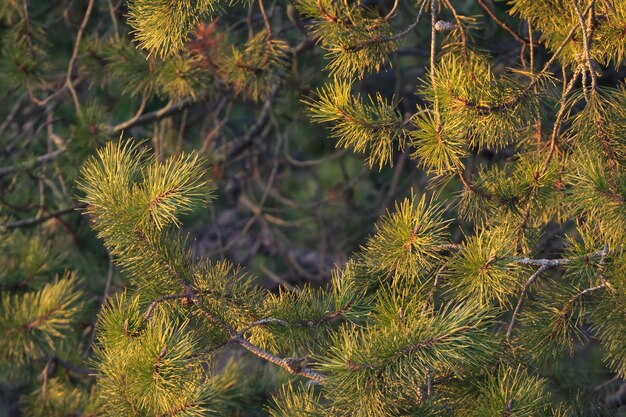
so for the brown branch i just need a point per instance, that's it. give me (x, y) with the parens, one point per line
(502, 24)
(329, 17)
(508, 408)
(160, 300)
(16, 107)
(518, 307)
(372, 125)
(291, 365)
(157, 199)
(433, 46)
(473, 187)
(492, 108)
(459, 26)
(40, 219)
(586, 43)
(544, 265)
(559, 117)
(262, 322)
(154, 116)
(70, 66)
(130, 122)
(25, 165)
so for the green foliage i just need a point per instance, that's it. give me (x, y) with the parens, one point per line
(608, 321)
(26, 260)
(10, 10)
(355, 38)
(556, 19)
(311, 316)
(481, 270)
(599, 127)
(154, 376)
(381, 369)
(598, 193)
(23, 59)
(554, 322)
(183, 76)
(129, 66)
(301, 402)
(511, 392)
(439, 147)
(58, 398)
(257, 68)
(35, 323)
(133, 199)
(162, 26)
(371, 127)
(88, 133)
(490, 110)
(407, 242)
(495, 287)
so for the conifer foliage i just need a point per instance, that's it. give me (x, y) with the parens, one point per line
(482, 292)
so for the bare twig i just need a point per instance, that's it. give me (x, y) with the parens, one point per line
(502, 24)
(40, 219)
(70, 66)
(156, 115)
(518, 307)
(25, 165)
(131, 122)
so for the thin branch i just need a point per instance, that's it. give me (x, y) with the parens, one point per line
(291, 365)
(112, 11)
(433, 46)
(502, 24)
(586, 44)
(130, 122)
(556, 262)
(40, 219)
(16, 107)
(559, 117)
(156, 115)
(588, 290)
(262, 322)
(71, 367)
(545, 264)
(158, 301)
(392, 11)
(473, 187)
(518, 307)
(70, 66)
(105, 296)
(28, 164)
(385, 39)
(459, 26)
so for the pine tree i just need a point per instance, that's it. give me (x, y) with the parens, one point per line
(483, 291)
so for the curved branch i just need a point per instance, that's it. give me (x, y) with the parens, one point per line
(385, 39)
(503, 25)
